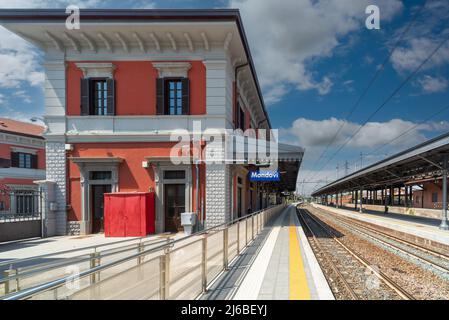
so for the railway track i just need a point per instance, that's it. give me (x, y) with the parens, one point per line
(349, 275)
(432, 260)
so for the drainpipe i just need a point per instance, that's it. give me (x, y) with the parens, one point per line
(236, 71)
(198, 208)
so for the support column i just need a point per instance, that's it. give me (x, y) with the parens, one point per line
(356, 193)
(361, 200)
(384, 195)
(218, 191)
(47, 191)
(341, 199)
(444, 225)
(391, 202)
(336, 200)
(406, 197)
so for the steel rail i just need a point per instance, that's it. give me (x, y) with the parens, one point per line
(56, 265)
(16, 261)
(393, 246)
(379, 274)
(59, 282)
(347, 286)
(72, 260)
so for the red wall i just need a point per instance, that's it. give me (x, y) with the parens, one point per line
(136, 88)
(5, 152)
(132, 177)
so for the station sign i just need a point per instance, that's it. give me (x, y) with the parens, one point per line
(264, 176)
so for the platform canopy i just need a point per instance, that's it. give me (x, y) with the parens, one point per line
(412, 166)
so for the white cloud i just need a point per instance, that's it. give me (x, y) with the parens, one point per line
(287, 38)
(432, 84)
(21, 94)
(410, 56)
(19, 59)
(319, 133)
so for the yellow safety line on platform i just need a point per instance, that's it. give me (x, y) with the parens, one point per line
(299, 289)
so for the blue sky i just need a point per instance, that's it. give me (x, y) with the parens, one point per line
(314, 59)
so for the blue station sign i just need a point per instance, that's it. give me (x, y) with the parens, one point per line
(264, 176)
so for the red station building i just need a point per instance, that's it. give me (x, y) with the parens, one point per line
(120, 87)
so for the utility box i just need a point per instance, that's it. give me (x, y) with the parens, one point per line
(188, 220)
(129, 214)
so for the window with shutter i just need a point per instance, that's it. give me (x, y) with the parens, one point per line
(173, 96)
(23, 160)
(98, 97)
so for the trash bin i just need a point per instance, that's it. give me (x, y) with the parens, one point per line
(188, 220)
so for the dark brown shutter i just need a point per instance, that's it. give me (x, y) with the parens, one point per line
(160, 96)
(33, 161)
(185, 96)
(85, 97)
(14, 159)
(110, 83)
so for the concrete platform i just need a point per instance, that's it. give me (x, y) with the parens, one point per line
(419, 227)
(278, 265)
(35, 251)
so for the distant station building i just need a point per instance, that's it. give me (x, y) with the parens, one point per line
(22, 161)
(412, 182)
(116, 91)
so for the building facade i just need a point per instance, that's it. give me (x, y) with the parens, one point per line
(22, 161)
(123, 90)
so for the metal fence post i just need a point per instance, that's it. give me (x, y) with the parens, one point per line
(246, 232)
(252, 227)
(204, 264)
(238, 237)
(225, 248)
(162, 277)
(94, 262)
(8, 283)
(167, 274)
(258, 224)
(140, 249)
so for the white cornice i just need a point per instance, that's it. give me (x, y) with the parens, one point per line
(172, 69)
(91, 70)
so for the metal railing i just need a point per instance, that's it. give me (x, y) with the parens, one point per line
(178, 269)
(19, 205)
(25, 273)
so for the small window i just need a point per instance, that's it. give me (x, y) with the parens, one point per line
(239, 180)
(100, 175)
(434, 197)
(172, 96)
(175, 175)
(99, 97)
(173, 91)
(23, 160)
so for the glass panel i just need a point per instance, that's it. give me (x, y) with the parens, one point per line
(179, 174)
(232, 242)
(214, 254)
(100, 175)
(185, 272)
